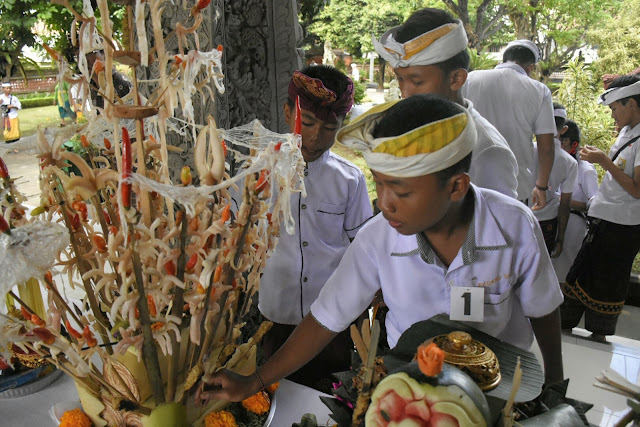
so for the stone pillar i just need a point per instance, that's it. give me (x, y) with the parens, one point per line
(260, 39)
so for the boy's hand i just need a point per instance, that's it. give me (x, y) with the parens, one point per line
(226, 385)
(592, 154)
(557, 250)
(538, 199)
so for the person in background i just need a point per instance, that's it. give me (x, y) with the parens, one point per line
(336, 206)
(63, 100)
(439, 63)
(9, 106)
(585, 188)
(438, 235)
(519, 107)
(553, 217)
(598, 281)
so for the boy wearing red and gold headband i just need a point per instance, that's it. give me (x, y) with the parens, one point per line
(336, 206)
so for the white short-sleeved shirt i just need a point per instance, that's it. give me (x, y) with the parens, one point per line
(11, 100)
(562, 179)
(612, 202)
(585, 188)
(336, 206)
(493, 164)
(504, 253)
(519, 107)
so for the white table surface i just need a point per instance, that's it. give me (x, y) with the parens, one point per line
(292, 402)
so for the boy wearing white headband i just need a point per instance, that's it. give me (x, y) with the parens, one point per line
(10, 106)
(519, 107)
(553, 217)
(428, 54)
(438, 238)
(598, 281)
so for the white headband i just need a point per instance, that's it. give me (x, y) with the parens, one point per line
(617, 93)
(6, 84)
(432, 47)
(359, 136)
(529, 45)
(559, 112)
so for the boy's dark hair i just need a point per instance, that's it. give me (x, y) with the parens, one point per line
(520, 55)
(573, 132)
(560, 121)
(623, 81)
(416, 111)
(428, 19)
(331, 78)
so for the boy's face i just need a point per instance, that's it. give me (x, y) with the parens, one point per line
(622, 114)
(6, 90)
(317, 135)
(412, 205)
(425, 79)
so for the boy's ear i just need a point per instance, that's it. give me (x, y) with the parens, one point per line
(459, 186)
(563, 130)
(457, 78)
(287, 112)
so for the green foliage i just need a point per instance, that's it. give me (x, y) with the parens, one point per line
(480, 61)
(617, 40)
(37, 102)
(359, 92)
(579, 93)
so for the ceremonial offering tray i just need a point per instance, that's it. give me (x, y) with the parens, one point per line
(28, 382)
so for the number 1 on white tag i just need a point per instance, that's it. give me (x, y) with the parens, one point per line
(467, 304)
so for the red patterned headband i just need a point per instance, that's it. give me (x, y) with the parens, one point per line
(319, 99)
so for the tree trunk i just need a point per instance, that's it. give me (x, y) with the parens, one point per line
(381, 67)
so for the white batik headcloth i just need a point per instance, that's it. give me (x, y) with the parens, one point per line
(529, 45)
(421, 151)
(432, 47)
(560, 112)
(617, 93)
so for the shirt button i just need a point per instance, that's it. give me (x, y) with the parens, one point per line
(304, 280)
(306, 173)
(304, 206)
(305, 244)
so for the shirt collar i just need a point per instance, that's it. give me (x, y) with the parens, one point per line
(512, 66)
(320, 160)
(483, 235)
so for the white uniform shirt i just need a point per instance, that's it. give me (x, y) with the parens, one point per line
(519, 107)
(585, 188)
(612, 202)
(11, 100)
(562, 179)
(493, 164)
(336, 206)
(504, 253)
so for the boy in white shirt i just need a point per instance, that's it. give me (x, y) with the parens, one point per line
(10, 106)
(438, 234)
(553, 217)
(336, 206)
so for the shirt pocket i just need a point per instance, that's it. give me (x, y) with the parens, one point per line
(330, 219)
(497, 306)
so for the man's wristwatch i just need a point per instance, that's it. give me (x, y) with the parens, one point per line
(541, 188)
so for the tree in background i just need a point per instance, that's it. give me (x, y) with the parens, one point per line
(617, 40)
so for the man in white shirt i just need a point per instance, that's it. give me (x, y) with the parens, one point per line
(438, 236)
(440, 65)
(519, 107)
(10, 106)
(554, 216)
(336, 206)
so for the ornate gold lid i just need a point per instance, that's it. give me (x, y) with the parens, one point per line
(471, 356)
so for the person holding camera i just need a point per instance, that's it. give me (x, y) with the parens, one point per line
(9, 108)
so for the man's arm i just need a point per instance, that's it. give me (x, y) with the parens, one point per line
(306, 341)
(546, 154)
(547, 332)
(564, 210)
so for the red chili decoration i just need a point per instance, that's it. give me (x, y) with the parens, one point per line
(126, 168)
(298, 128)
(48, 277)
(191, 263)
(36, 320)
(170, 268)
(88, 335)
(4, 226)
(277, 146)
(217, 274)
(77, 335)
(224, 148)
(84, 141)
(75, 222)
(202, 4)
(4, 172)
(107, 144)
(101, 244)
(226, 213)
(220, 48)
(25, 313)
(152, 306)
(263, 180)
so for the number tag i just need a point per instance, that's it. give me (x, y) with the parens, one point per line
(467, 304)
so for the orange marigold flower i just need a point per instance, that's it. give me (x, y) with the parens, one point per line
(220, 419)
(258, 403)
(273, 387)
(430, 359)
(75, 418)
